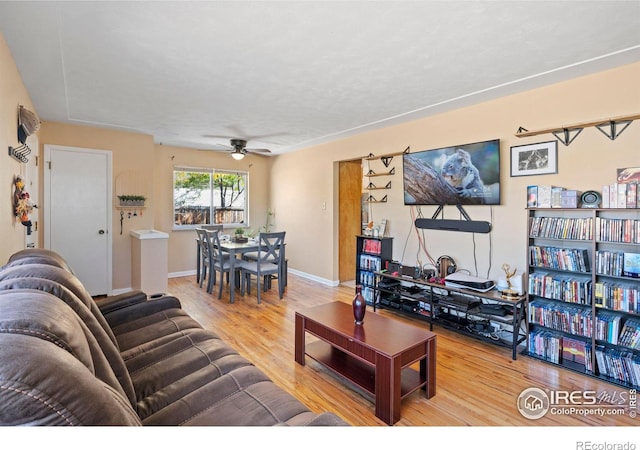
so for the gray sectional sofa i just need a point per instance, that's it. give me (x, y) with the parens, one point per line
(67, 359)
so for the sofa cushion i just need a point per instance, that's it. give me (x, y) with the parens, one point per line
(65, 278)
(38, 392)
(146, 329)
(61, 294)
(51, 365)
(39, 256)
(245, 396)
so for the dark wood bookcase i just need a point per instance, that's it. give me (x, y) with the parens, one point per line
(584, 291)
(372, 255)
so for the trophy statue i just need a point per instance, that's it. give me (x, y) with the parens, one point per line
(509, 292)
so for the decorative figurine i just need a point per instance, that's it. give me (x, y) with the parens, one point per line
(509, 292)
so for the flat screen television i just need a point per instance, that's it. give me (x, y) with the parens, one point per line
(466, 174)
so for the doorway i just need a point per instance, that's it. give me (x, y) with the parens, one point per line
(349, 216)
(77, 212)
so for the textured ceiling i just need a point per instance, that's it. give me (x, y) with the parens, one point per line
(287, 75)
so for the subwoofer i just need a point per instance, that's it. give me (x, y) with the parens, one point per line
(590, 199)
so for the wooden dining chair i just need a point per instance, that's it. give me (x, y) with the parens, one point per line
(253, 256)
(202, 264)
(269, 261)
(219, 262)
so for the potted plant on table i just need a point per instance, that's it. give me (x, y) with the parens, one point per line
(239, 235)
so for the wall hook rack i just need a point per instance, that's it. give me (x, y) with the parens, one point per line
(20, 153)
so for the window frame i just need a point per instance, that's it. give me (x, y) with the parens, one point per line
(211, 171)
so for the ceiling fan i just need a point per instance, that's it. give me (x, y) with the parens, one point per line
(239, 149)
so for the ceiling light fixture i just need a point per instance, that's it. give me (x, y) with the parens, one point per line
(237, 155)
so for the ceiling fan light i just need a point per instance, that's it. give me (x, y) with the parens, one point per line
(237, 155)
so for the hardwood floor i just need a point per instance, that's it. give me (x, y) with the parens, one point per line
(477, 383)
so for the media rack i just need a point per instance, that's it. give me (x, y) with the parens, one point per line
(465, 311)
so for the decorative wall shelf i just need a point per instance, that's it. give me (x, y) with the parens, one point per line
(612, 128)
(373, 187)
(372, 157)
(371, 173)
(372, 199)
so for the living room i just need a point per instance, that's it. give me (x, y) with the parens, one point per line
(307, 204)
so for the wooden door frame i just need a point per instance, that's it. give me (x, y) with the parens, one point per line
(349, 216)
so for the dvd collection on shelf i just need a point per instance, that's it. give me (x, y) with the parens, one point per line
(561, 228)
(618, 230)
(572, 259)
(583, 316)
(372, 254)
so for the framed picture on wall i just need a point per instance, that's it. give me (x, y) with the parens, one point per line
(534, 159)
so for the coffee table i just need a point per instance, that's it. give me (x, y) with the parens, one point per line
(376, 355)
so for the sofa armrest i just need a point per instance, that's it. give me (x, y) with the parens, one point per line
(115, 302)
(142, 309)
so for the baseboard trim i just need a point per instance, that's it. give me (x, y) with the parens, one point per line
(186, 273)
(308, 276)
(314, 278)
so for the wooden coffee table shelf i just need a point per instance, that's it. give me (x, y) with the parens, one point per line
(375, 356)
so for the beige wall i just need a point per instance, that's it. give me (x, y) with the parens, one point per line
(181, 242)
(588, 163)
(12, 94)
(137, 154)
(132, 153)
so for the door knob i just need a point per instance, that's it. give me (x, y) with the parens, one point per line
(101, 231)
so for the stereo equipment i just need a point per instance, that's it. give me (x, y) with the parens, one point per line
(590, 199)
(469, 226)
(393, 266)
(410, 271)
(428, 273)
(462, 280)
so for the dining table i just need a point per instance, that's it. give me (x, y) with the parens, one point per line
(236, 250)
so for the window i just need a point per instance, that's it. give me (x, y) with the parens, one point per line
(209, 196)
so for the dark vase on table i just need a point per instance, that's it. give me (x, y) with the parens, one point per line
(359, 306)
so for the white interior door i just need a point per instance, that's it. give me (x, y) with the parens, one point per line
(77, 212)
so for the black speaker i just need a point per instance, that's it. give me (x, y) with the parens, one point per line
(590, 199)
(469, 226)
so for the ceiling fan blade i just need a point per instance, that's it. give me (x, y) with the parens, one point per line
(259, 150)
(221, 147)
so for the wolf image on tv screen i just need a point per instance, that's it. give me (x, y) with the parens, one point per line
(466, 174)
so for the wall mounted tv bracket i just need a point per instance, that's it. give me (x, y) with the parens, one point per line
(466, 225)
